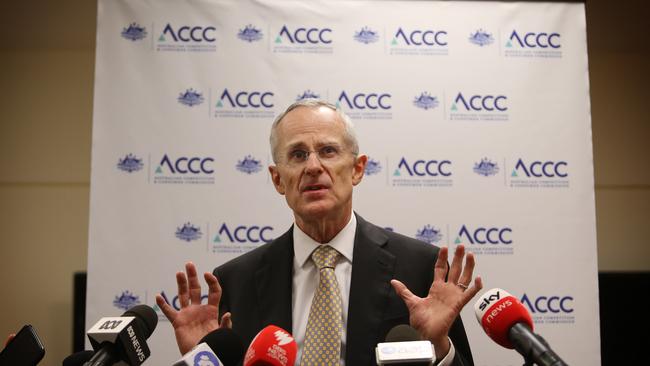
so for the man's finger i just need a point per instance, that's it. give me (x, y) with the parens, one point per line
(194, 285)
(183, 290)
(440, 269)
(169, 312)
(457, 265)
(226, 321)
(214, 289)
(468, 270)
(403, 292)
(473, 290)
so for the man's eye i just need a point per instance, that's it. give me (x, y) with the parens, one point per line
(329, 151)
(298, 154)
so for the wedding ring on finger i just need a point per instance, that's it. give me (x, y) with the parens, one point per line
(462, 285)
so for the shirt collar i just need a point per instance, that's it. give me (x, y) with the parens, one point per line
(343, 242)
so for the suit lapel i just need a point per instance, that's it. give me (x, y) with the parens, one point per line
(273, 283)
(372, 270)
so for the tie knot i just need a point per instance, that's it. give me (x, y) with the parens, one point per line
(325, 256)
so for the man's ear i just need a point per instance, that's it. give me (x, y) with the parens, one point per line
(359, 168)
(275, 178)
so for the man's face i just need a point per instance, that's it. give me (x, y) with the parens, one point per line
(316, 168)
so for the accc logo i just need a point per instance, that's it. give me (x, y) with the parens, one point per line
(423, 168)
(534, 40)
(307, 35)
(419, 37)
(243, 234)
(482, 235)
(188, 34)
(545, 304)
(245, 99)
(184, 165)
(363, 100)
(539, 169)
(482, 102)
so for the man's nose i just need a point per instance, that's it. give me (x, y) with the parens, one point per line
(313, 164)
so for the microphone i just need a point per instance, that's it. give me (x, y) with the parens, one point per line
(123, 338)
(405, 347)
(220, 347)
(272, 346)
(78, 358)
(202, 355)
(505, 319)
(403, 333)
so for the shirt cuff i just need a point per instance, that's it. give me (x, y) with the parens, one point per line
(449, 358)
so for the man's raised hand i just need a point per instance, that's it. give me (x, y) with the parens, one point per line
(194, 320)
(433, 315)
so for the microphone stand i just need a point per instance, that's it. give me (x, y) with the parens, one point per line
(533, 347)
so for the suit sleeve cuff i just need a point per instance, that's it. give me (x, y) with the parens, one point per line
(449, 358)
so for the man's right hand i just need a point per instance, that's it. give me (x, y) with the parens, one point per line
(194, 320)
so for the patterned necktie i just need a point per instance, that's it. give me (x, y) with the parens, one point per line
(323, 336)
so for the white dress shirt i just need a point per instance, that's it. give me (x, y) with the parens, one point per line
(306, 276)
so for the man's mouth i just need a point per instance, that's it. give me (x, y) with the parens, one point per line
(313, 187)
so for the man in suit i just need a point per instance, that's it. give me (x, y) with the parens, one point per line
(376, 279)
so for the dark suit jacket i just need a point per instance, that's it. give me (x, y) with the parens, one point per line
(257, 289)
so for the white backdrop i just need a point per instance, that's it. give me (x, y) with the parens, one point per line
(475, 116)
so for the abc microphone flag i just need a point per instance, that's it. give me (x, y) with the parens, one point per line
(123, 338)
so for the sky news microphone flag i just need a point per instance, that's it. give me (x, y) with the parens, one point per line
(475, 117)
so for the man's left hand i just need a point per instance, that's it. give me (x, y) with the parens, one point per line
(432, 316)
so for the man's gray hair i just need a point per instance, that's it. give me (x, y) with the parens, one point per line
(349, 137)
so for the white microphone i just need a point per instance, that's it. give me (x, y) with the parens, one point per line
(404, 346)
(201, 355)
(220, 347)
